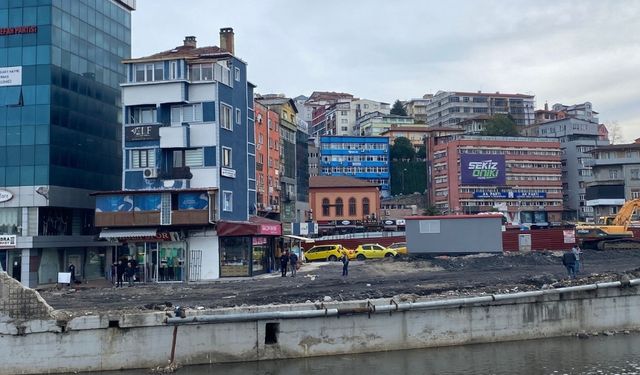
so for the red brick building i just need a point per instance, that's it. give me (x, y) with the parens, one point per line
(267, 161)
(520, 176)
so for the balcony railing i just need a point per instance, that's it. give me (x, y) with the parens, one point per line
(150, 218)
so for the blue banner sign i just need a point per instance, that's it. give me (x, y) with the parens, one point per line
(482, 169)
(193, 201)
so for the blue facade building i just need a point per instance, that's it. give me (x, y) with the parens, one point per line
(189, 181)
(365, 158)
(59, 131)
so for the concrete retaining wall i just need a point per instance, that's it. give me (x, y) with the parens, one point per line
(108, 341)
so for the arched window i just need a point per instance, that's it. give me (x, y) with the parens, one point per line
(365, 206)
(325, 207)
(339, 207)
(352, 206)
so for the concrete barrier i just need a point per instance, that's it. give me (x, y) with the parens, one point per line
(126, 341)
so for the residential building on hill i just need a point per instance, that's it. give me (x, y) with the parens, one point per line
(60, 125)
(520, 176)
(365, 158)
(341, 117)
(317, 104)
(417, 108)
(415, 134)
(449, 108)
(374, 123)
(616, 178)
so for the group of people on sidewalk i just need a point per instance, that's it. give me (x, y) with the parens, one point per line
(571, 261)
(289, 260)
(124, 269)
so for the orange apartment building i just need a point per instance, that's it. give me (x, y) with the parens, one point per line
(343, 204)
(520, 176)
(267, 162)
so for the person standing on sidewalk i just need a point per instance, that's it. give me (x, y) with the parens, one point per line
(120, 268)
(293, 261)
(345, 265)
(284, 260)
(576, 252)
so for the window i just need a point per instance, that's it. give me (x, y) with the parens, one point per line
(225, 117)
(237, 74)
(352, 206)
(149, 72)
(238, 116)
(226, 157)
(201, 72)
(142, 115)
(365, 206)
(227, 201)
(143, 158)
(188, 158)
(339, 207)
(613, 174)
(186, 113)
(325, 207)
(635, 174)
(430, 226)
(173, 70)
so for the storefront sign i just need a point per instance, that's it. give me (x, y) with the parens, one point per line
(18, 30)
(7, 241)
(168, 236)
(482, 169)
(11, 76)
(270, 229)
(142, 133)
(259, 241)
(569, 236)
(226, 172)
(507, 195)
(5, 195)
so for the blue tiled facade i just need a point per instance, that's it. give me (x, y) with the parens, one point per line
(365, 158)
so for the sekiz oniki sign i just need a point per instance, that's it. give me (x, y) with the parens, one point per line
(482, 169)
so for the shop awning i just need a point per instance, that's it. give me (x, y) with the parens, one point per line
(303, 239)
(128, 233)
(256, 226)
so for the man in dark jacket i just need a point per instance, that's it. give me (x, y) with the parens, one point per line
(120, 268)
(284, 260)
(569, 261)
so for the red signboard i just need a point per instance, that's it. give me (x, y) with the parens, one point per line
(18, 30)
(270, 229)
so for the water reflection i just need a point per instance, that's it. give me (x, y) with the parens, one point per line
(618, 354)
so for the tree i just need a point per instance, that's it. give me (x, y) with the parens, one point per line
(615, 133)
(402, 149)
(422, 152)
(501, 126)
(398, 109)
(431, 211)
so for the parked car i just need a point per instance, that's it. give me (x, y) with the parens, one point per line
(372, 251)
(331, 252)
(399, 247)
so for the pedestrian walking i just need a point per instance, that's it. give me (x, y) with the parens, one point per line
(569, 261)
(120, 268)
(129, 273)
(293, 261)
(577, 252)
(345, 265)
(72, 271)
(284, 260)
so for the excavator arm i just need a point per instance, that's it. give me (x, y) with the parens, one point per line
(623, 217)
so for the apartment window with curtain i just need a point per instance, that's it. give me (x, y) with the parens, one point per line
(225, 117)
(186, 113)
(143, 158)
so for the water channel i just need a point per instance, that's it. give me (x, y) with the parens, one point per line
(619, 354)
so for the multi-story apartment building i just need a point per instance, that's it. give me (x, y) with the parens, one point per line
(267, 124)
(365, 158)
(313, 152)
(417, 108)
(616, 178)
(583, 111)
(415, 134)
(317, 104)
(189, 183)
(448, 108)
(374, 123)
(520, 176)
(341, 116)
(288, 128)
(59, 131)
(577, 137)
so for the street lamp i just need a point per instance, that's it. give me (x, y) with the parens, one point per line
(404, 170)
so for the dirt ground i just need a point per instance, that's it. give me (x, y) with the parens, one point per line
(405, 279)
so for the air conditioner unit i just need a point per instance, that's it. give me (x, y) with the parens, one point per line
(150, 173)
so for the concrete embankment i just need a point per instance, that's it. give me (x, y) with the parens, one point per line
(49, 342)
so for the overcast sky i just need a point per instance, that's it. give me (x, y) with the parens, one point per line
(561, 51)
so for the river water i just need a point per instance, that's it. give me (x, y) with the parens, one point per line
(619, 354)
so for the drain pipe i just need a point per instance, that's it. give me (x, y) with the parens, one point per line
(370, 308)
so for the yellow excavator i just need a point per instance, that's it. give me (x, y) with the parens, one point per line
(613, 233)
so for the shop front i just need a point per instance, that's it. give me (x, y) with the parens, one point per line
(247, 248)
(157, 256)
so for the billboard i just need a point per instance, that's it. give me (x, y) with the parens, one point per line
(482, 169)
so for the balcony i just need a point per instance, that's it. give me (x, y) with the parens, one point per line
(150, 218)
(174, 137)
(151, 93)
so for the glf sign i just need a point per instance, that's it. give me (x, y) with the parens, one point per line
(7, 241)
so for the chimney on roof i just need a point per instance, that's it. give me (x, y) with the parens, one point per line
(226, 39)
(190, 41)
(546, 106)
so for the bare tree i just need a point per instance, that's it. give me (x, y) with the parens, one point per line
(615, 133)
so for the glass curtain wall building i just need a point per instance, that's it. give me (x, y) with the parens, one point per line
(60, 131)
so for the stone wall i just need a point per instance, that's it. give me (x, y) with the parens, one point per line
(19, 303)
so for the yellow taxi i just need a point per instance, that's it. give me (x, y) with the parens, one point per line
(331, 253)
(399, 247)
(373, 251)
